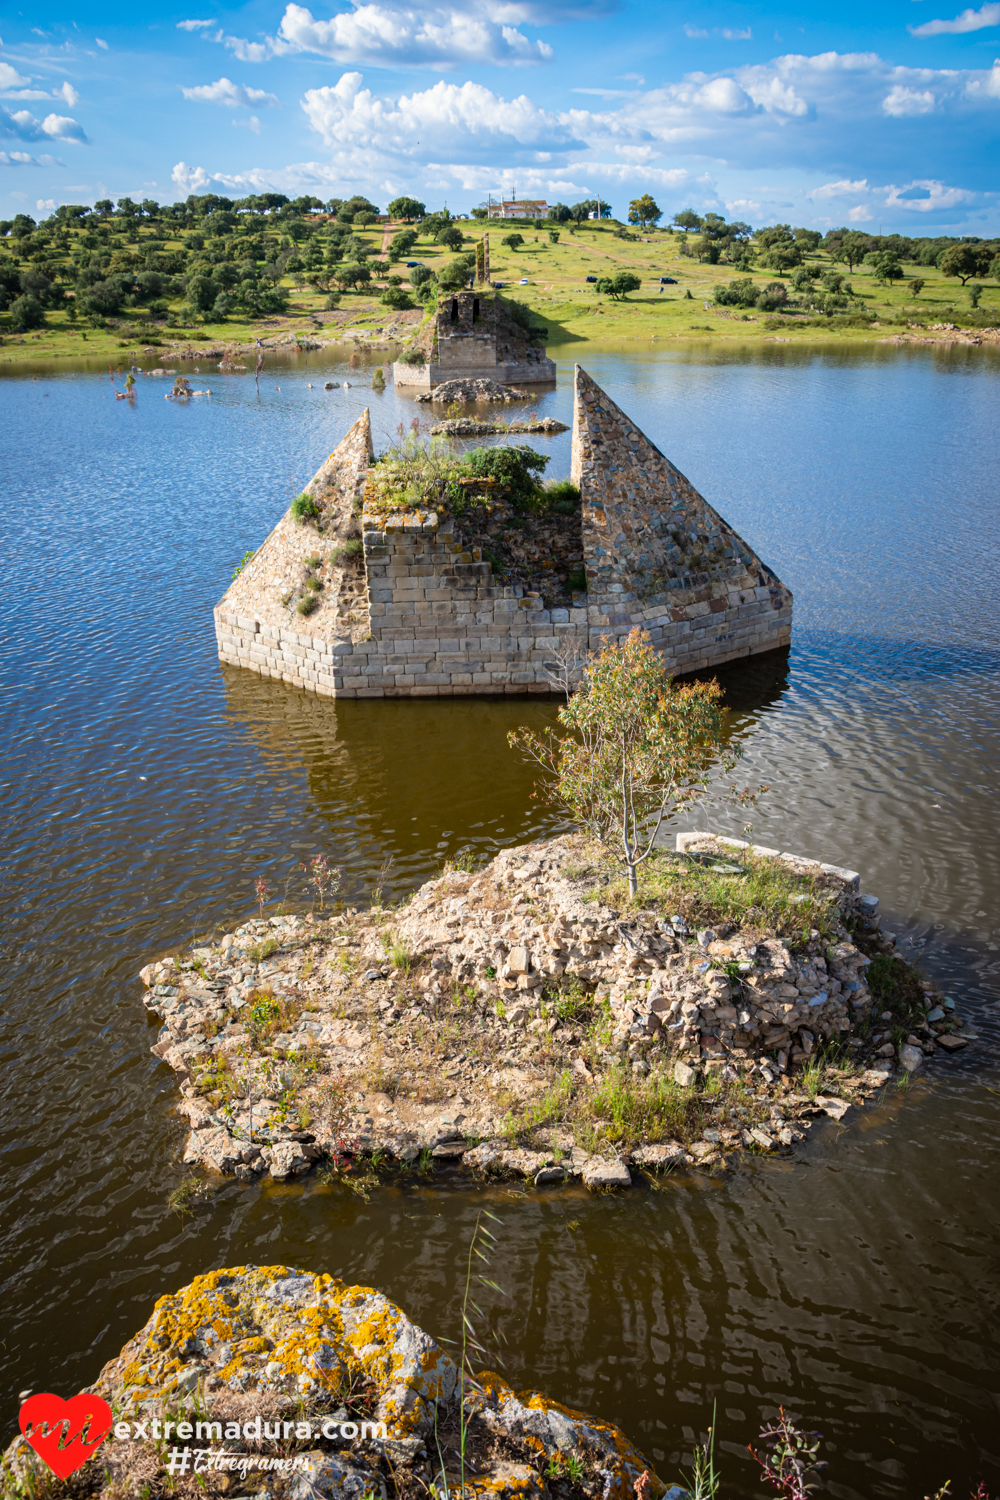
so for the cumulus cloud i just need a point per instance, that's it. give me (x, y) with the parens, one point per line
(382, 35)
(22, 159)
(193, 25)
(23, 126)
(903, 101)
(10, 78)
(232, 95)
(431, 122)
(190, 179)
(969, 20)
(69, 93)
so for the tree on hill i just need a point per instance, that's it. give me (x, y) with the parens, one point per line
(885, 266)
(582, 211)
(619, 285)
(406, 208)
(512, 241)
(687, 219)
(450, 236)
(965, 261)
(851, 248)
(643, 211)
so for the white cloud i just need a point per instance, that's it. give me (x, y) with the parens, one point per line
(22, 124)
(381, 35)
(69, 93)
(903, 101)
(45, 205)
(62, 128)
(193, 25)
(926, 196)
(250, 52)
(842, 189)
(190, 179)
(990, 85)
(859, 215)
(232, 95)
(101, 43)
(969, 20)
(730, 34)
(10, 78)
(22, 159)
(251, 124)
(430, 123)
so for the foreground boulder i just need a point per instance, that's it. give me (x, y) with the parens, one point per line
(307, 1388)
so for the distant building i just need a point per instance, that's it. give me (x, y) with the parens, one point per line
(518, 208)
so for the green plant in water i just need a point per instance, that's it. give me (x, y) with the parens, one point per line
(705, 1481)
(790, 1458)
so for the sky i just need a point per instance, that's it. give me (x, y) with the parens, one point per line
(881, 116)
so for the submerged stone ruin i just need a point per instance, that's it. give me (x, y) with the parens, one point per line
(479, 336)
(357, 602)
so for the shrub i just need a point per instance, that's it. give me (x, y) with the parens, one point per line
(347, 552)
(27, 312)
(314, 583)
(308, 604)
(514, 469)
(773, 296)
(742, 293)
(332, 301)
(304, 508)
(396, 298)
(420, 275)
(562, 496)
(412, 357)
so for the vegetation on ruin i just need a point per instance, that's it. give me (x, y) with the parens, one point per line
(419, 473)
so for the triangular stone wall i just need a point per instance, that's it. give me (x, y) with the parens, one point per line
(658, 555)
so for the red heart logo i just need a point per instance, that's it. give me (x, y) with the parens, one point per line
(65, 1420)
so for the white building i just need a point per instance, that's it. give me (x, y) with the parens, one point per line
(518, 208)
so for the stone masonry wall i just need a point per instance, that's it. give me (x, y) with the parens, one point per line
(657, 554)
(438, 623)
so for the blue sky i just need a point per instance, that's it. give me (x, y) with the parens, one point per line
(870, 115)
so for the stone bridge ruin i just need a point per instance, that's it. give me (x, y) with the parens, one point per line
(359, 604)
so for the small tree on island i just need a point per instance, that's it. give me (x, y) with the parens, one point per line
(639, 749)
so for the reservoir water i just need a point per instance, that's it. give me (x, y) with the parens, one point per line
(144, 788)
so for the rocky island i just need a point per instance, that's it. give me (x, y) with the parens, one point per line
(528, 1019)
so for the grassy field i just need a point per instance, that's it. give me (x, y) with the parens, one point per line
(571, 309)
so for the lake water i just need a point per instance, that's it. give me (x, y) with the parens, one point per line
(144, 788)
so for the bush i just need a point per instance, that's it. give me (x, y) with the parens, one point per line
(412, 357)
(314, 583)
(773, 296)
(420, 276)
(27, 312)
(395, 297)
(308, 604)
(304, 508)
(562, 496)
(347, 552)
(514, 469)
(513, 241)
(741, 293)
(332, 301)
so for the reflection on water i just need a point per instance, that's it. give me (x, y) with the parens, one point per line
(145, 788)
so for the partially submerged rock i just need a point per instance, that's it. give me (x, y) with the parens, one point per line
(473, 390)
(341, 1388)
(470, 427)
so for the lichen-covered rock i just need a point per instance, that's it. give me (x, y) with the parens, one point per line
(337, 1383)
